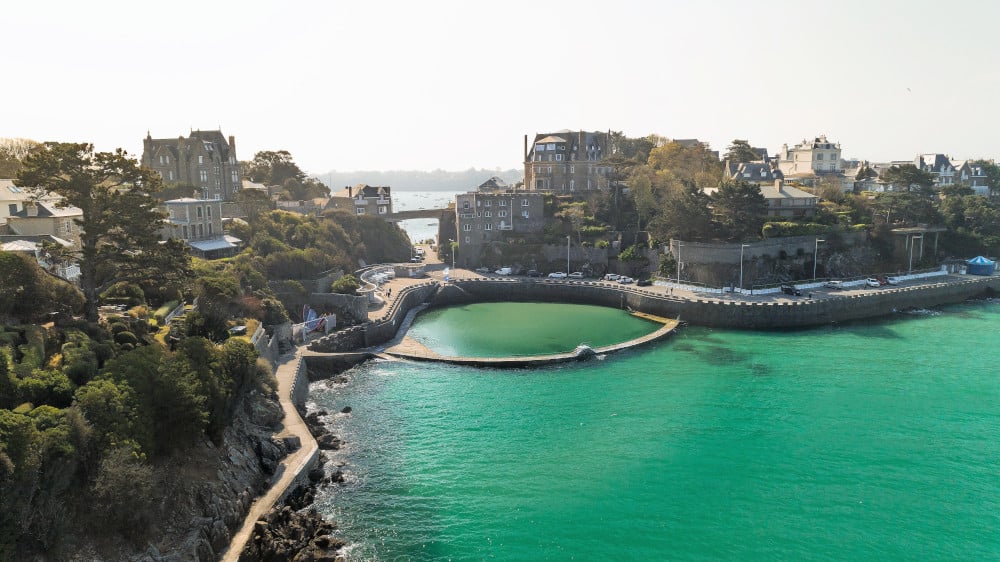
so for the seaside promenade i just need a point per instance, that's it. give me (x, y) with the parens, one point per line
(293, 427)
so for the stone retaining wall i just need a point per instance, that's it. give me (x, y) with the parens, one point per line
(384, 328)
(757, 315)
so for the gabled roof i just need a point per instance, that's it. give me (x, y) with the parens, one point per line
(752, 171)
(29, 242)
(936, 162)
(47, 209)
(771, 191)
(10, 192)
(493, 184)
(551, 138)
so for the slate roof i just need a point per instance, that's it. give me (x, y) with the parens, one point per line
(48, 209)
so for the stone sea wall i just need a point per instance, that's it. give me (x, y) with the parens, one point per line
(758, 315)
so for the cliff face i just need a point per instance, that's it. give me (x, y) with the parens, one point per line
(204, 493)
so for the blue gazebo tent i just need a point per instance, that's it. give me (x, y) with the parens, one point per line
(981, 266)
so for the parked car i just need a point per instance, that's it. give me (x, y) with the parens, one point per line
(557, 275)
(873, 282)
(503, 271)
(644, 282)
(892, 280)
(838, 285)
(534, 273)
(626, 280)
(576, 275)
(482, 270)
(611, 277)
(791, 290)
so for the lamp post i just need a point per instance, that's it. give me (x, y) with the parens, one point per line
(679, 246)
(815, 255)
(912, 238)
(567, 255)
(742, 246)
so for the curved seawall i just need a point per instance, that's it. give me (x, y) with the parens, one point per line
(739, 314)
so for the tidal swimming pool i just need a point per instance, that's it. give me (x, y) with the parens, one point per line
(503, 329)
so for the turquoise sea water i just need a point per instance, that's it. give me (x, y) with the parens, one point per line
(874, 441)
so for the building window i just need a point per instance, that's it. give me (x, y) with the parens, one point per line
(524, 214)
(819, 156)
(488, 226)
(204, 175)
(572, 169)
(489, 214)
(201, 159)
(208, 212)
(170, 175)
(540, 147)
(489, 203)
(503, 202)
(199, 212)
(360, 210)
(502, 214)
(209, 229)
(185, 232)
(467, 227)
(550, 146)
(524, 202)
(468, 239)
(558, 157)
(465, 205)
(201, 230)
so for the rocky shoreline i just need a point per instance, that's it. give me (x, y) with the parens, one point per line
(294, 531)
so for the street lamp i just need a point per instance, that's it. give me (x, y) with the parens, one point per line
(742, 246)
(567, 255)
(815, 255)
(912, 238)
(679, 246)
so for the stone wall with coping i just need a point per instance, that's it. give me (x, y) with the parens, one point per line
(798, 313)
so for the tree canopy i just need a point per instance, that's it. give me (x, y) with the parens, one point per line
(120, 220)
(740, 209)
(741, 151)
(279, 168)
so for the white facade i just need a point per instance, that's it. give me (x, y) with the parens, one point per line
(810, 157)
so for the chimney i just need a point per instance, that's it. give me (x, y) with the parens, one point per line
(232, 144)
(350, 192)
(525, 148)
(779, 185)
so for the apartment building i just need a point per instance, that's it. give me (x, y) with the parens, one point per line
(204, 160)
(567, 161)
(817, 156)
(484, 217)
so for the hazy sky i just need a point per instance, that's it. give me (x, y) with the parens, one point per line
(367, 85)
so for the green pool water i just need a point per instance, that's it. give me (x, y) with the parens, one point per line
(512, 329)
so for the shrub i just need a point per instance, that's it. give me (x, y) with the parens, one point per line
(124, 293)
(346, 285)
(123, 338)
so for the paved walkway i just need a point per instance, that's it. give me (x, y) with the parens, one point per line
(288, 470)
(410, 348)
